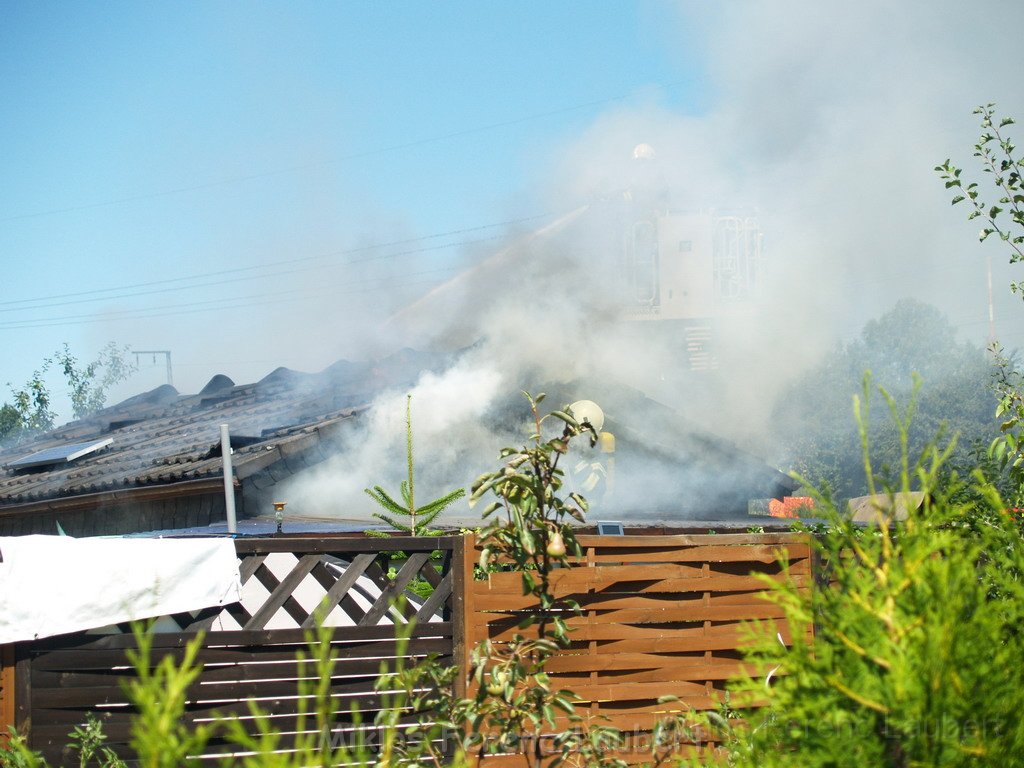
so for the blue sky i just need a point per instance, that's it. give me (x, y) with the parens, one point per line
(153, 141)
(163, 160)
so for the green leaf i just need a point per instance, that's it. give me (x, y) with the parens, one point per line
(580, 500)
(563, 416)
(381, 496)
(437, 505)
(395, 524)
(563, 703)
(480, 490)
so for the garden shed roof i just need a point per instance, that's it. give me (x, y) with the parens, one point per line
(161, 438)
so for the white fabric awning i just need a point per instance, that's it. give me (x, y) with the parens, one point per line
(52, 585)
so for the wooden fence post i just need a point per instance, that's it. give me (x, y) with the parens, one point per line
(22, 690)
(7, 686)
(463, 560)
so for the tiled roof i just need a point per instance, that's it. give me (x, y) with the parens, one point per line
(161, 437)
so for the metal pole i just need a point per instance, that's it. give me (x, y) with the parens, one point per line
(229, 485)
(154, 352)
(991, 307)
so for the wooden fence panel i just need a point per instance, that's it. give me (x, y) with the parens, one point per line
(248, 650)
(660, 616)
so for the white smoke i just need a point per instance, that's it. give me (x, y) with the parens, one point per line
(447, 411)
(828, 119)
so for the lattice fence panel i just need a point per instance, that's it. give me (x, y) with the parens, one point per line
(364, 587)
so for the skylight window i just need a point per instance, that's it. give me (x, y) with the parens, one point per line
(59, 455)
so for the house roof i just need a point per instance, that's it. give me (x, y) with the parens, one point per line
(165, 443)
(162, 437)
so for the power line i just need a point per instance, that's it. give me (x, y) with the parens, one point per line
(15, 303)
(238, 302)
(235, 280)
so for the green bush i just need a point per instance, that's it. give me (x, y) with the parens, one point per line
(916, 656)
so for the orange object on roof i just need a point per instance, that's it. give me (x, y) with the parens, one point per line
(789, 506)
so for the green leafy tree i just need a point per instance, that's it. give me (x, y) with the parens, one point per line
(89, 384)
(407, 517)
(997, 155)
(30, 410)
(10, 421)
(811, 422)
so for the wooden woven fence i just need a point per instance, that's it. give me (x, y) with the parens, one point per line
(660, 616)
(249, 648)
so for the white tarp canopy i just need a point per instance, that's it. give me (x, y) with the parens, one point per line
(52, 585)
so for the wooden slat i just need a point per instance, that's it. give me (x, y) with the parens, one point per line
(586, 662)
(683, 541)
(442, 594)
(340, 588)
(247, 567)
(665, 673)
(252, 668)
(283, 592)
(605, 602)
(685, 641)
(377, 647)
(265, 576)
(766, 554)
(366, 705)
(571, 580)
(266, 637)
(343, 545)
(69, 698)
(637, 624)
(390, 594)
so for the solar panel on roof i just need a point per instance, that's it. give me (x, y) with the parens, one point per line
(61, 454)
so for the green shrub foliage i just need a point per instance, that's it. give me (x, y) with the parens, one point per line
(917, 641)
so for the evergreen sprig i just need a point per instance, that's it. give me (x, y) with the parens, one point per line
(406, 516)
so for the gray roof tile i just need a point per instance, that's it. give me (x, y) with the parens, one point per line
(163, 437)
